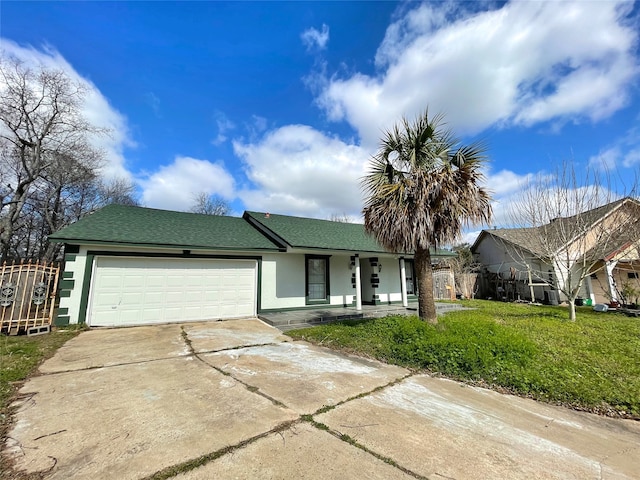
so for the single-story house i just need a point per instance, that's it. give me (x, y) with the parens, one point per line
(128, 265)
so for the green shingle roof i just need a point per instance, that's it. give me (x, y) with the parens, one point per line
(299, 232)
(126, 225)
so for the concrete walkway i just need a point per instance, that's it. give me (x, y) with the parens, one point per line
(309, 317)
(238, 399)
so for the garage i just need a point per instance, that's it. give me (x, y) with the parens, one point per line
(142, 291)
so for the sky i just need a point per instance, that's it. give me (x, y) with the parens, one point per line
(279, 106)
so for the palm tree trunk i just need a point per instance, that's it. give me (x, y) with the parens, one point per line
(424, 272)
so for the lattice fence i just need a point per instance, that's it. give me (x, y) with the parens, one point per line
(27, 296)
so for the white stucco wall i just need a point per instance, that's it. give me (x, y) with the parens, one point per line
(283, 281)
(282, 278)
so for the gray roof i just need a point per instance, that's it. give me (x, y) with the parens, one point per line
(537, 240)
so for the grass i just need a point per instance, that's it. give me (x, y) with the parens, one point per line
(19, 358)
(592, 364)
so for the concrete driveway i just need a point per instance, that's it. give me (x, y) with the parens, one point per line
(237, 399)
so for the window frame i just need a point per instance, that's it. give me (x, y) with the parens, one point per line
(327, 276)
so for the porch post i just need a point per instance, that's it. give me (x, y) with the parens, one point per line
(403, 283)
(592, 295)
(612, 286)
(358, 284)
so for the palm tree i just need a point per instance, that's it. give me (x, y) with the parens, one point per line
(423, 187)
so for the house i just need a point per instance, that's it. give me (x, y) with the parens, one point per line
(129, 265)
(601, 245)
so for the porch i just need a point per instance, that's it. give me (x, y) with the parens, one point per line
(292, 319)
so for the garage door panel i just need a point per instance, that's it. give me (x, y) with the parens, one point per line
(130, 291)
(155, 280)
(151, 316)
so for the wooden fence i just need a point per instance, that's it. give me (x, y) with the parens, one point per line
(443, 284)
(27, 296)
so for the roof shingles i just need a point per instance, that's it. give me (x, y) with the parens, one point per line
(311, 233)
(119, 224)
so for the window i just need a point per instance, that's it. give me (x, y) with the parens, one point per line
(317, 279)
(632, 274)
(409, 269)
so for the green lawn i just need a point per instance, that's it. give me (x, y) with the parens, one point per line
(591, 364)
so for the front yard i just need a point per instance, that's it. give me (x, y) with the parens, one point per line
(592, 364)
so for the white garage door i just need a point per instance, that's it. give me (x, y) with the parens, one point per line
(138, 291)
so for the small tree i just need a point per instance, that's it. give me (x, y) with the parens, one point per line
(572, 225)
(209, 205)
(423, 187)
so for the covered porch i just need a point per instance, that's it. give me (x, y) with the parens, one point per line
(308, 317)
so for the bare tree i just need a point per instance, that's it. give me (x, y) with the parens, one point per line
(465, 269)
(572, 225)
(44, 143)
(119, 191)
(341, 218)
(209, 204)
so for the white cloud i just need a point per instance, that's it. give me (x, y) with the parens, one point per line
(174, 186)
(606, 159)
(97, 109)
(632, 158)
(224, 126)
(301, 171)
(524, 63)
(505, 186)
(153, 101)
(506, 182)
(315, 39)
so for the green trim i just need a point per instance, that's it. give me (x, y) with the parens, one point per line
(67, 284)
(181, 254)
(106, 243)
(259, 286)
(63, 310)
(61, 320)
(64, 293)
(67, 275)
(71, 248)
(86, 283)
(70, 258)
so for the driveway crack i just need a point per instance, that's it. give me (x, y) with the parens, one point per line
(353, 442)
(248, 386)
(197, 462)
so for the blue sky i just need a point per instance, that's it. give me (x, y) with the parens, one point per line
(278, 106)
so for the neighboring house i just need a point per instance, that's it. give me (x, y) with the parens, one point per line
(518, 265)
(132, 265)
